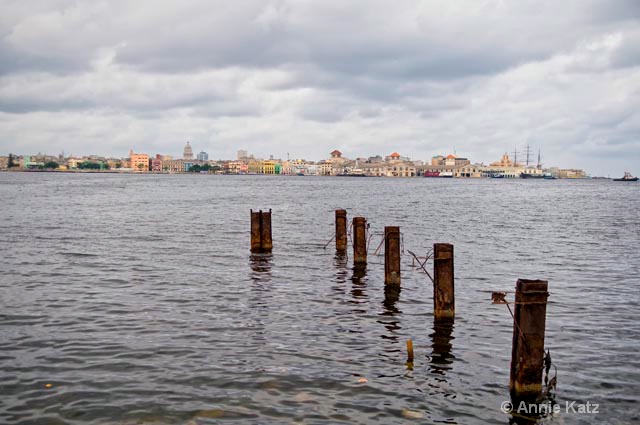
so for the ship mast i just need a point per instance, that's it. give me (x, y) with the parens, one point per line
(528, 153)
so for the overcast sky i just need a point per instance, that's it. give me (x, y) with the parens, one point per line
(306, 77)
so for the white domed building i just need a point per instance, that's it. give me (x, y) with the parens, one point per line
(188, 152)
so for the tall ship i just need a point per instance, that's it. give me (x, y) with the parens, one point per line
(626, 178)
(531, 172)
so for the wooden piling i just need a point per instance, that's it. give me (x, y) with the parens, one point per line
(341, 231)
(261, 241)
(409, 351)
(359, 240)
(527, 353)
(443, 288)
(392, 255)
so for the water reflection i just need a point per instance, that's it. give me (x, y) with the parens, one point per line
(359, 286)
(391, 322)
(261, 267)
(391, 297)
(441, 357)
(340, 262)
(528, 411)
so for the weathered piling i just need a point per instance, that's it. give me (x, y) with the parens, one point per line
(341, 231)
(443, 289)
(409, 351)
(261, 241)
(359, 240)
(392, 255)
(527, 353)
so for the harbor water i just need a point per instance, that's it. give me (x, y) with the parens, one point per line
(133, 299)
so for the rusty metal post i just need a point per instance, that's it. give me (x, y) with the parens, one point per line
(341, 231)
(261, 232)
(359, 240)
(443, 291)
(392, 255)
(256, 234)
(527, 353)
(265, 232)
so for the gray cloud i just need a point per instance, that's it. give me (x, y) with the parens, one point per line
(304, 77)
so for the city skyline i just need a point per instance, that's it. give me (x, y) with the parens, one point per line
(303, 78)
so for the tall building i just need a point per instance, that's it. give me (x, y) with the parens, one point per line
(188, 152)
(139, 161)
(203, 156)
(242, 154)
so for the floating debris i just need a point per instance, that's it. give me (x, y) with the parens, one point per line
(210, 414)
(303, 396)
(412, 414)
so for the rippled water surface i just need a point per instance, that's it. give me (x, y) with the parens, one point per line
(133, 299)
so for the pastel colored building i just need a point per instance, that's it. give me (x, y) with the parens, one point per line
(139, 161)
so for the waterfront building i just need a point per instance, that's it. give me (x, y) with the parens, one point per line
(468, 171)
(139, 161)
(571, 174)
(255, 166)
(113, 163)
(187, 152)
(395, 156)
(393, 166)
(126, 163)
(156, 164)
(437, 160)
(72, 162)
(287, 168)
(450, 160)
(203, 156)
(173, 165)
(505, 162)
(327, 168)
(232, 167)
(268, 167)
(334, 165)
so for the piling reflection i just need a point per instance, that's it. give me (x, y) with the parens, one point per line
(528, 411)
(441, 357)
(340, 262)
(391, 321)
(261, 265)
(359, 285)
(391, 297)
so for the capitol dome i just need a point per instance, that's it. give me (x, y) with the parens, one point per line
(188, 152)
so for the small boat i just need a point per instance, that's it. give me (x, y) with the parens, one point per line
(627, 178)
